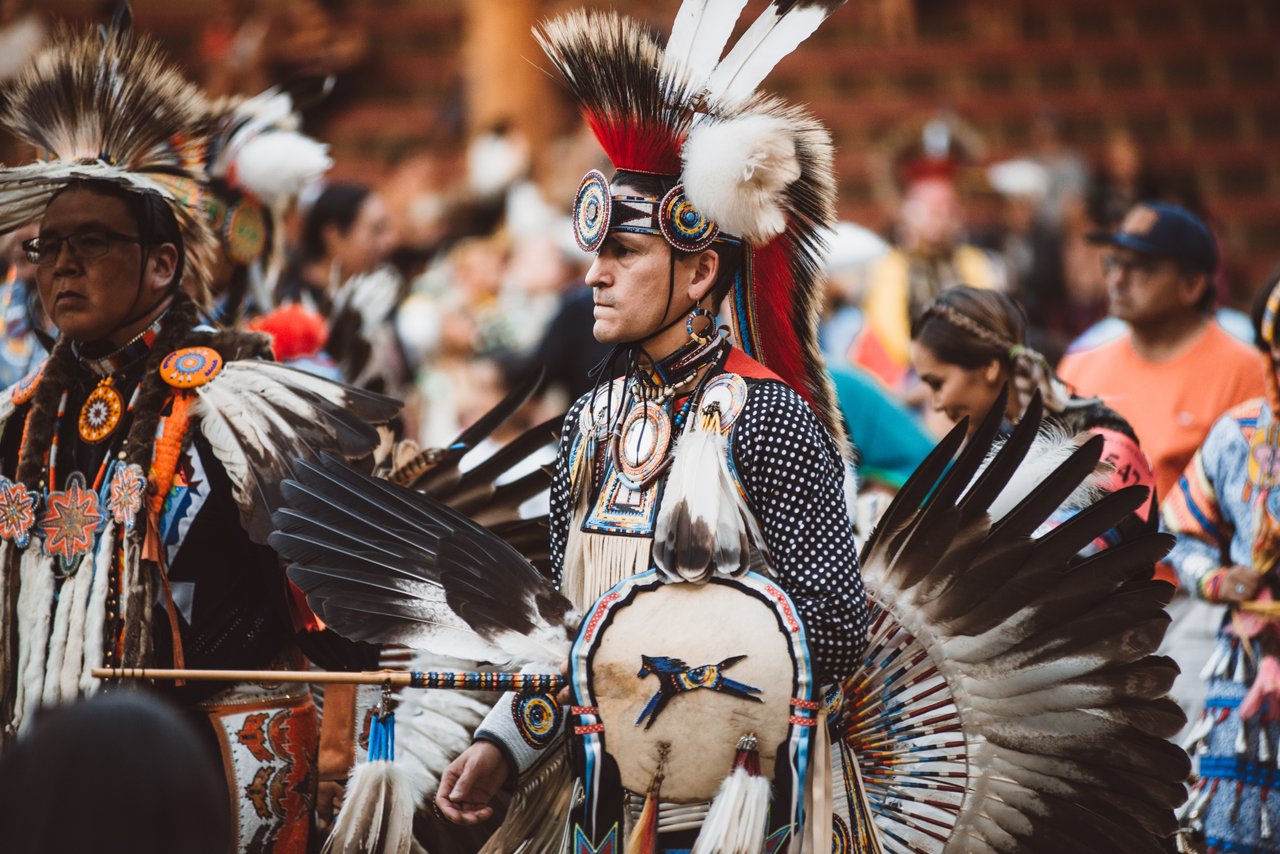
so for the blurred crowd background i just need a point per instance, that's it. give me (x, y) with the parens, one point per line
(979, 142)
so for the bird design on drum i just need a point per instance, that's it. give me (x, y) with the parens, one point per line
(675, 678)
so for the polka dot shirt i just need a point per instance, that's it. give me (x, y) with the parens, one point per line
(792, 475)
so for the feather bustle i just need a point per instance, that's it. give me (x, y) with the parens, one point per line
(1047, 660)
(382, 562)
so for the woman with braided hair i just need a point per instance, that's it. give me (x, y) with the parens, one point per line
(969, 342)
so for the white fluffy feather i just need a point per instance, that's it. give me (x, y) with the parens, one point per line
(737, 170)
(738, 818)
(377, 814)
(267, 111)
(275, 166)
(702, 501)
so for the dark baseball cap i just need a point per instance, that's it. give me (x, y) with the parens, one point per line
(1164, 231)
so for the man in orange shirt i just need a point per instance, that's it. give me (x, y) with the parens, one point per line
(1170, 376)
(1176, 370)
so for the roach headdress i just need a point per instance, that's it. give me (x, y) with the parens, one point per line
(106, 105)
(746, 168)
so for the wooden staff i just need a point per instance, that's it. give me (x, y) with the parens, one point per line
(523, 683)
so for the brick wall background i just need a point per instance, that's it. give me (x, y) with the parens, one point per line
(1197, 82)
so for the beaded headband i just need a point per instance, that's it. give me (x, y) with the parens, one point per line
(597, 211)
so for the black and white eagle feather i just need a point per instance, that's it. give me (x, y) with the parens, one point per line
(1037, 665)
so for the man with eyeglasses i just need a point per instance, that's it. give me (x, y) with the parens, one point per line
(1171, 375)
(140, 462)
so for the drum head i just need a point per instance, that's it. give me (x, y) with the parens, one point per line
(688, 670)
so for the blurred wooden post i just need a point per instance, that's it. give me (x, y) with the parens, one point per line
(503, 68)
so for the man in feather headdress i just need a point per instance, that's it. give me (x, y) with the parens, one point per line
(142, 459)
(1001, 695)
(706, 458)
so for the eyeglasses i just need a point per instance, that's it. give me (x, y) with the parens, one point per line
(85, 245)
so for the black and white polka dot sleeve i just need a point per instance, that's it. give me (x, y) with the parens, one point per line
(794, 480)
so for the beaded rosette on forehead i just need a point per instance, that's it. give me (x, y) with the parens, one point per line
(741, 167)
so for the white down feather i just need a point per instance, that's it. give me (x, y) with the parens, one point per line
(702, 498)
(276, 166)
(736, 172)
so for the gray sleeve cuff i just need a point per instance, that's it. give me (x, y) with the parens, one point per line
(501, 728)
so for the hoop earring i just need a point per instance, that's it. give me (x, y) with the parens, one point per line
(708, 331)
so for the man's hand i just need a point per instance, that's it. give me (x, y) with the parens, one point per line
(470, 782)
(1239, 584)
(565, 695)
(328, 802)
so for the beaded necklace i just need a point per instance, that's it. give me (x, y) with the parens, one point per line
(73, 516)
(104, 409)
(641, 442)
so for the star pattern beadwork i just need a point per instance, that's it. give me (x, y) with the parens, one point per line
(124, 499)
(100, 415)
(71, 520)
(17, 512)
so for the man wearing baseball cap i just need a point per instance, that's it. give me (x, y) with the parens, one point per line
(1170, 376)
(1176, 370)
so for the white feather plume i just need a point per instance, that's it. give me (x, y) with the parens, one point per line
(243, 120)
(699, 34)
(276, 166)
(736, 172)
(1051, 448)
(773, 35)
(377, 814)
(738, 819)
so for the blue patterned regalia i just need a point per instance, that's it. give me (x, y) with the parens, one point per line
(1225, 512)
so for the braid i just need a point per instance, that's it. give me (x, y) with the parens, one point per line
(968, 324)
(1029, 370)
(43, 416)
